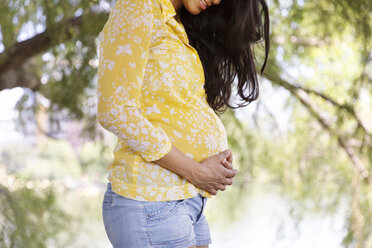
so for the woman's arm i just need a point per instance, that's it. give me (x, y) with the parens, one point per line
(123, 55)
(211, 174)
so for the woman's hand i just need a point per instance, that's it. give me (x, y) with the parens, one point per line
(227, 162)
(214, 172)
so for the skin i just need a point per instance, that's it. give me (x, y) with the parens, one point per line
(215, 172)
(211, 174)
(193, 6)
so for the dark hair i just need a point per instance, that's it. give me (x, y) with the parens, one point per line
(223, 36)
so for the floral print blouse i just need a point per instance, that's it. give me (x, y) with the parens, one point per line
(151, 95)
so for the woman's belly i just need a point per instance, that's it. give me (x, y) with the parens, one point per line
(196, 131)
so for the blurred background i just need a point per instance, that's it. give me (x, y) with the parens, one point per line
(303, 149)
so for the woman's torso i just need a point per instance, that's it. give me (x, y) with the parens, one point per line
(173, 98)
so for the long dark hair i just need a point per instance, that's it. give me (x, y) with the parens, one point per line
(223, 35)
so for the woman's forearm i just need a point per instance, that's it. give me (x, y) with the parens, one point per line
(179, 163)
(210, 174)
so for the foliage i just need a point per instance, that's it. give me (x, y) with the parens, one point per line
(320, 56)
(40, 190)
(94, 158)
(26, 212)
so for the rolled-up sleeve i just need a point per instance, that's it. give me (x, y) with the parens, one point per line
(123, 55)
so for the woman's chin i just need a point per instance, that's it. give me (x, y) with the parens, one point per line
(194, 10)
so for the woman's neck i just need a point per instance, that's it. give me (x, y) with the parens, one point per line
(177, 4)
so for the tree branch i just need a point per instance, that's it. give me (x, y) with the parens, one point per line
(304, 98)
(19, 77)
(345, 107)
(19, 53)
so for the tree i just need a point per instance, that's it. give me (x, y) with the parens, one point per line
(320, 54)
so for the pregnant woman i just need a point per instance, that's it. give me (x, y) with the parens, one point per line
(166, 68)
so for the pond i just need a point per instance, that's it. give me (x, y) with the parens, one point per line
(264, 222)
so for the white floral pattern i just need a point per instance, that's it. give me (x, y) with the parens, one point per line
(151, 95)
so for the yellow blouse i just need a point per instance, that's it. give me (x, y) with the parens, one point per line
(151, 95)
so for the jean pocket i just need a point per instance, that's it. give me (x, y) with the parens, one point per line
(107, 201)
(169, 224)
(161, 209)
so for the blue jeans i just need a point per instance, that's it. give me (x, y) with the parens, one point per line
(131, 223)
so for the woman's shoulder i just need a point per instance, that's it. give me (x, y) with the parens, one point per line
(135, 4)
(134, 12)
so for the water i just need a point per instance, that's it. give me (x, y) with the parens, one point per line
(265, 223)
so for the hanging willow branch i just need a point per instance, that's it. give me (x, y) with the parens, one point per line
(303, 96)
